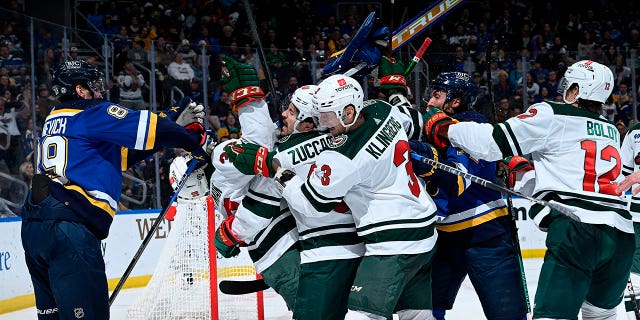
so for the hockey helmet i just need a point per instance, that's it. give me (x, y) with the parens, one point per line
(456, 85)
(71, 73)
(196, 184)
(594, 81)
(336, 92)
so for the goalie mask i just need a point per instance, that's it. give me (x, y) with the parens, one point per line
(196, 184)
(335, 93)
(594, 81)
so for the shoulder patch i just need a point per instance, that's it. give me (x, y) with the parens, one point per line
(338, 141)
(117, 112)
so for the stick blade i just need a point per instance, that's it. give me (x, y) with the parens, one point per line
(234, 287)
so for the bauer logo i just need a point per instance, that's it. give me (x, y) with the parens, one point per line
(356, 288)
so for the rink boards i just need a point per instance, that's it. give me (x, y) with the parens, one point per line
(127, 232)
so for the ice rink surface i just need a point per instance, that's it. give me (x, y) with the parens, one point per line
(466, 307)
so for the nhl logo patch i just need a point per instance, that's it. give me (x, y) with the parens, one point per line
(338, 141)
(78, 312)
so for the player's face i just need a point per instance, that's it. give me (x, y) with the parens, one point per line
(288, 120)
(437, 98)
(331, 121)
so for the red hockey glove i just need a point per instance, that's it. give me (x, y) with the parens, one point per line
(514, 165)
(436, 124)
(227, 243)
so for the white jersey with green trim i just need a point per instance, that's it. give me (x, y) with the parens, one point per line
(323, 236)
(630, 154)
(576, 154)
(369, 169)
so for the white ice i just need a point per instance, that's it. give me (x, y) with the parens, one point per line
(466, 307)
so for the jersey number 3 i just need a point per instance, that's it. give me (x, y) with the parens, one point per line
(400, 155)
(590, 176)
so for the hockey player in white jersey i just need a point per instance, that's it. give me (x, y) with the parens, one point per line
(366, 165)
(630, 155)
(251, 204)
(330, 249)
(577, 158)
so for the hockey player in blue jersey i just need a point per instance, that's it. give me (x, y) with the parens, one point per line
(475, 237)
(86, 143)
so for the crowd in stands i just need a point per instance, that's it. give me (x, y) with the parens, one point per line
(516, 51)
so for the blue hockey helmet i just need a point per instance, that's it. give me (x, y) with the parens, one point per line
(456, 85)
(72, 73)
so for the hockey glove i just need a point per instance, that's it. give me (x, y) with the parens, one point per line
(227, 243)
(515, 165)
(391, 73)
(241, 80)
(282, 177)
(187, 114)
(426, 150)
(250, 158)
(436, 124)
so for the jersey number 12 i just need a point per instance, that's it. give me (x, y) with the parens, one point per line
(604, 180)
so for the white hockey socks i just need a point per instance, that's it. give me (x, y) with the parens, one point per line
(591, 312)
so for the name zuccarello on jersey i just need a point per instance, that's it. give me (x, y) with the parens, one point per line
(55, 126)
(309, 149)
(383, 138)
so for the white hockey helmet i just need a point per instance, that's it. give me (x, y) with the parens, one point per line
(336, 92)
(302, 99)
(196, 184)
(594, 80)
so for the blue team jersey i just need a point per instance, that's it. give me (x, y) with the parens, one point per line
(466, 206)
(83, 149)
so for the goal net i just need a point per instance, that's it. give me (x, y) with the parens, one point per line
(185, 282)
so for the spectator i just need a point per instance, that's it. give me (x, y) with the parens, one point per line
(131, 82)
(10, 113)
(73, 54)
(137, 54)
(533, 89)
(504, 88)
(219, 110)
(188, 55)
(180, 73)
(29, 140)
(229, 123)
(552, 82)
(609, 109)
(9, 61)
(26, 172)
(211, 43)
(164, 51)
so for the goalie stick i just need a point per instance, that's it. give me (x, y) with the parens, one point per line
(493, 186)
(152, 231)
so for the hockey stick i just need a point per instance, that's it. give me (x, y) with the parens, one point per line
(632, 297)
(237, 287)
(516, 244)
(421, 22)
(152, 231)
(418, 56)
(263, 57)
(488, 184)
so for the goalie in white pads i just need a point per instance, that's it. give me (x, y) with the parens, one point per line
(330, 249)
(576, 154)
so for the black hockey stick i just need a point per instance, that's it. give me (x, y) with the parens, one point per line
(568, 211)
(516, 244)
(152, 231)
(238, 287)
(632, 297)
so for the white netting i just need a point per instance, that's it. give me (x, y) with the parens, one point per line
(180, 286)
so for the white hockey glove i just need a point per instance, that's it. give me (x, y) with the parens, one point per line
(192, 113)
(283, 176)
